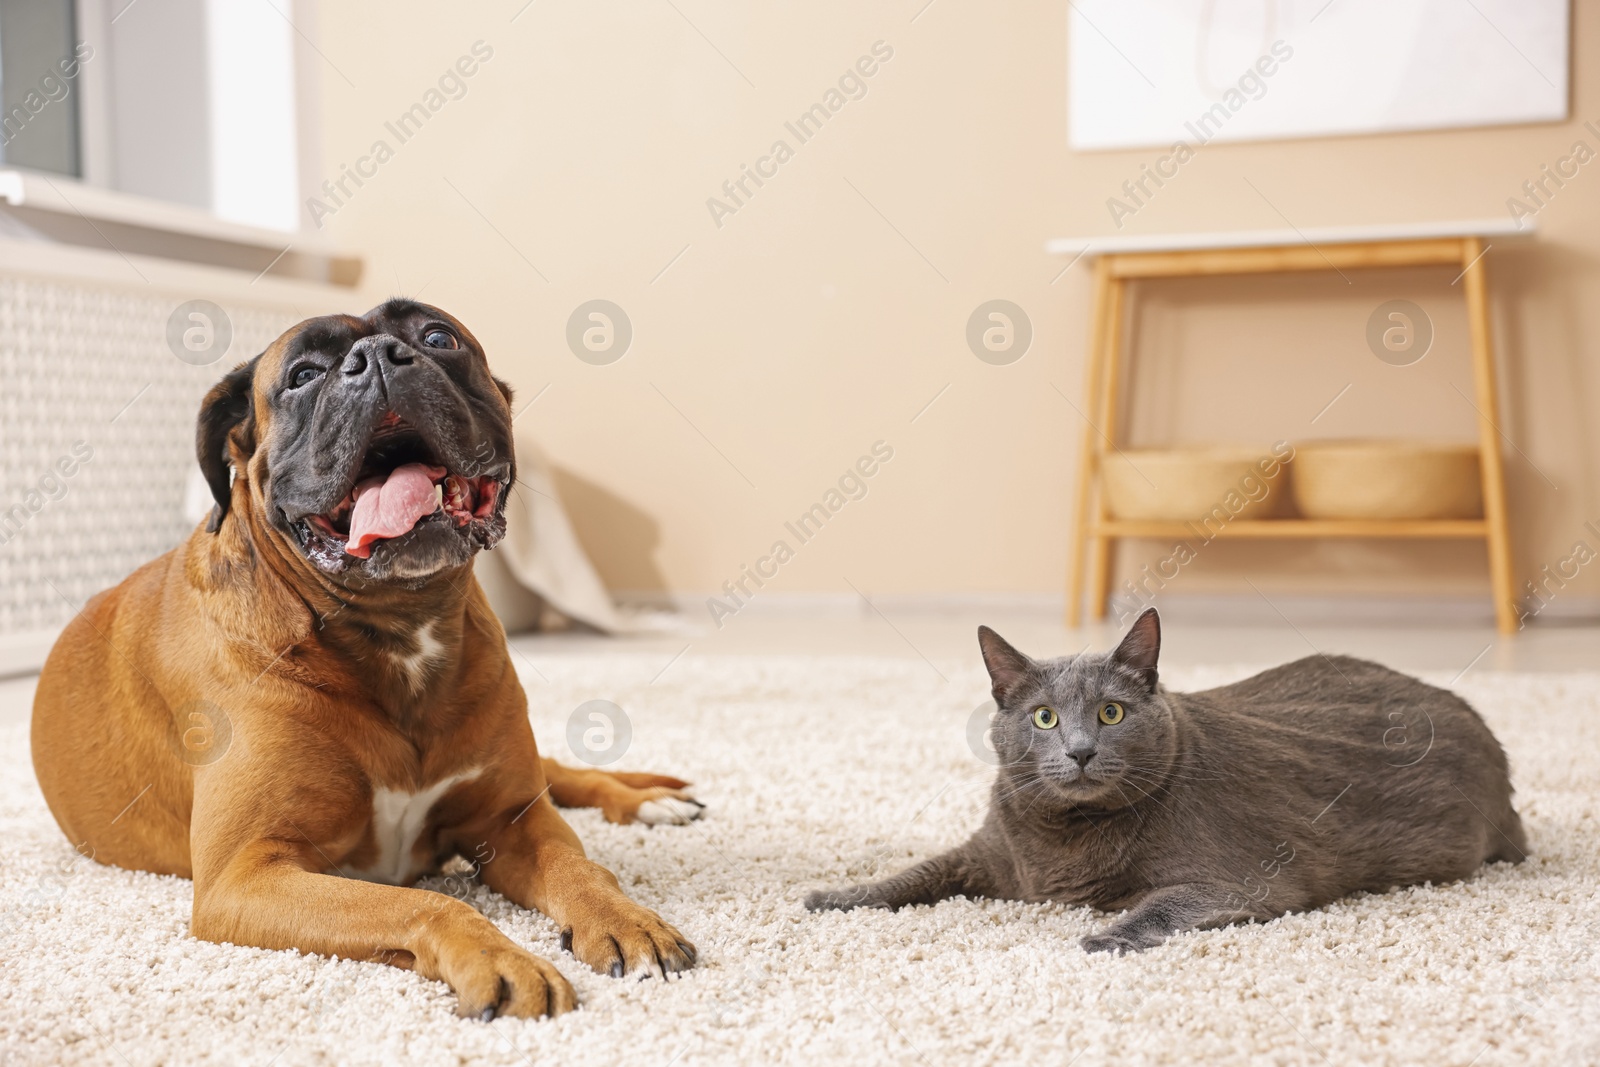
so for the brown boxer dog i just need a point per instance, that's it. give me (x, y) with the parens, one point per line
(313, 685)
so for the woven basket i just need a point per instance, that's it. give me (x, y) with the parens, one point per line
(1192, 484)
(1387, 480)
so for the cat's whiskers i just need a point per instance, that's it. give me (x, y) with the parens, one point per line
(1134, 776)
(1128, 780)
(1033, 780)
(1164, 774)
(1042, 782)
(1051, 776)
(1131, 805)
(1037, 794)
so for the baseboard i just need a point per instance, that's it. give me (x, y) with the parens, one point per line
(1223, 608)
(1448, 610)
(848, 604)
(24, 653)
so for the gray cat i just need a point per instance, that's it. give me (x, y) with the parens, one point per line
(1279, 793)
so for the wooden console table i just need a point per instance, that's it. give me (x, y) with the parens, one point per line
(1120, 260)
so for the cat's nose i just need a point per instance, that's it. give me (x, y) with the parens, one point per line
(1082, 753)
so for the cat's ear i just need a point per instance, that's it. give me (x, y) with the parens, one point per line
(1008, 668)
(1140, 649)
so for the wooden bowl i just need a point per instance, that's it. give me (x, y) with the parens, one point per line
(1387, 480)
(1221, 483)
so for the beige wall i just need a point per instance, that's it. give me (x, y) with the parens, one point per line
(780, 346)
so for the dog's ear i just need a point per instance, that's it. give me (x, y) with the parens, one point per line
(226, 406)
(504, 387)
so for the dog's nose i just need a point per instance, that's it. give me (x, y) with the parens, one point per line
(1083, 753)
(369, 352)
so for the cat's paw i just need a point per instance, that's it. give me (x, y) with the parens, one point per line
(1117, 943)
(856, 896)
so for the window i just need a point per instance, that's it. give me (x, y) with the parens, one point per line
(187, 101)
(39, 68)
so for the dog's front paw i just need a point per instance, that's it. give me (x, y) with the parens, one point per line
(493, 980)
(671, 808)
(653, 805)
(621, 938)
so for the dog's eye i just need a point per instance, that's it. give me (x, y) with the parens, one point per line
(437, 338)
(304, 375)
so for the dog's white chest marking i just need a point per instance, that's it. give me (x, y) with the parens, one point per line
(415, 665)
(398, 818)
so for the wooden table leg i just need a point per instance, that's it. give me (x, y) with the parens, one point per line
(1088, 466)
(1490, 461)
(1100, 558)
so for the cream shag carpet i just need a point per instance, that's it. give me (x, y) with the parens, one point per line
(818, 771)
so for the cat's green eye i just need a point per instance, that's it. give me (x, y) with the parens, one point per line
(1045, 718)
(1111, 713)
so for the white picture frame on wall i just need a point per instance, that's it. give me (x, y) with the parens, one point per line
(1145, 73)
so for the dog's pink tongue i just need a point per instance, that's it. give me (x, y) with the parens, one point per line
(389, 507)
